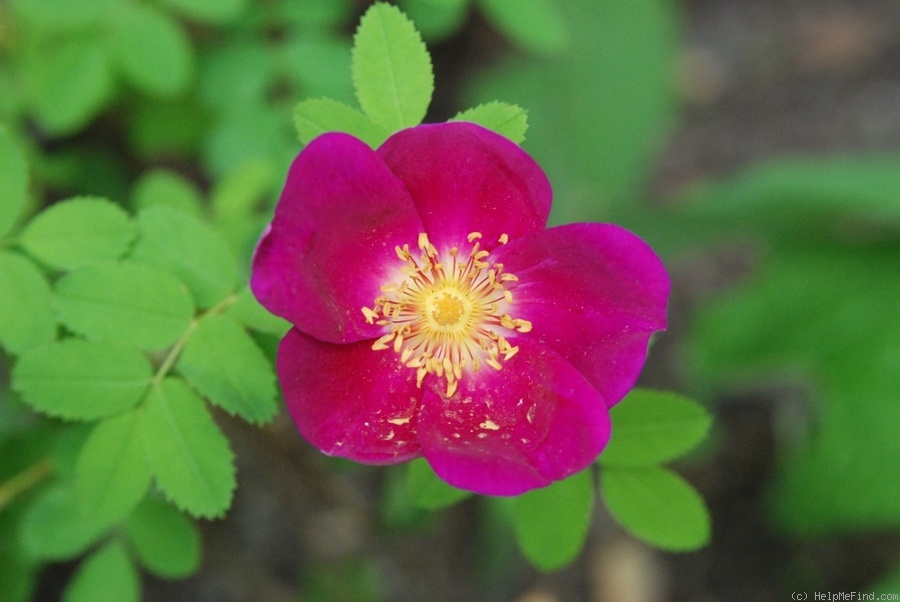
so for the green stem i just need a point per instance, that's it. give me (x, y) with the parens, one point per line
(25, 480)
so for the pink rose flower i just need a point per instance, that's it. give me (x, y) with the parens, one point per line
(435, 316)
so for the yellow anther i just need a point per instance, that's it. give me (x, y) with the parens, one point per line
(504, 238)
(509, 278)
(382, 342)
(473, 236)
(370, 315)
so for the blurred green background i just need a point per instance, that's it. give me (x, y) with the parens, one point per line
(756, 145)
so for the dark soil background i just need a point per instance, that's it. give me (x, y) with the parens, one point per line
(759, 78)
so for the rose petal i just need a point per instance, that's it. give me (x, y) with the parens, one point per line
(595, 293)
(464, 178)
(348, 400)
(331, 244)
(505, 432)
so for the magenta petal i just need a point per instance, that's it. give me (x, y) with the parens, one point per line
(505, 432)
(595, 293)
(331, 244)
(348, 400)
(464, 178)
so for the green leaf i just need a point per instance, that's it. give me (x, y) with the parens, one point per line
(551, 524)
(535, 25)
(166, 542)
(428, 490)
(26, 305)
(318, 65)
(188, 454)
(61, 14)
(13, 181)
(77, 380)
(152, 50)
(436, 19)
(505, 119)
(77, 232)
(236, 203)
(125, 303)
(163, 187)
(190, 249)
(316, 116)
(253, 315)
(391, 68)
(211, 11)
(657, 506)
(112, 474)
(106, 574)
(224, 364)
(54, 528)
(69, 81)
(653, 427)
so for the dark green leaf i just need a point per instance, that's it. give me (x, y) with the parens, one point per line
(436, 19)
(125, 303)
(318, 66)
(658, 506)
(551, 523)
(26, 305)
(391, 68)
(316, 116)
(54, 528)
(165, 541)
(188, 454)
(62, 14)
(13, 181)
(77, 380)
(213, 11)
(162, 187)
(535, 25)
(78, 232)
(106, 574)
(652, 427)
(224, 364)
(505, 119)
(428, 490)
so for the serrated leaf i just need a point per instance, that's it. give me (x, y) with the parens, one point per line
(253, 315)
(152, 50)
(551, 524)
(657, 506)
(316, 116)
(62, 14)
(162, 187)
(26, 305)
(428, 490)
(505, 119)
(78, 232)
(54, 528)
(190, 249)
(391, 68)
(125, 303)
(106, 574)
(166, 542)
(112, 474)
(224, 364)
(653, 427)
(187, 453)
(78, 380)
(13, 181)
(534, 25)
(211, 11)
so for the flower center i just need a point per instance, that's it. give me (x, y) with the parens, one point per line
(446, 314)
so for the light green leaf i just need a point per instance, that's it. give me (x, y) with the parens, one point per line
(166, 542)
(190, 249)
(54, 528)
(125, 303)
(77, 380)
(152, 50)
(391, 68)
(63, 14)
(316, 116)
(70, 81)
(106, 574)
(253, 315)
(224, 364)
(428, 490)
(77, 232)
(13, 181)
(551, 524)
(188, 454)
(26, 305)
(534, 25)
(163, 187)
(657, 506)
(652, 427)
(112, 475)
(211, 11)
(505, 119)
